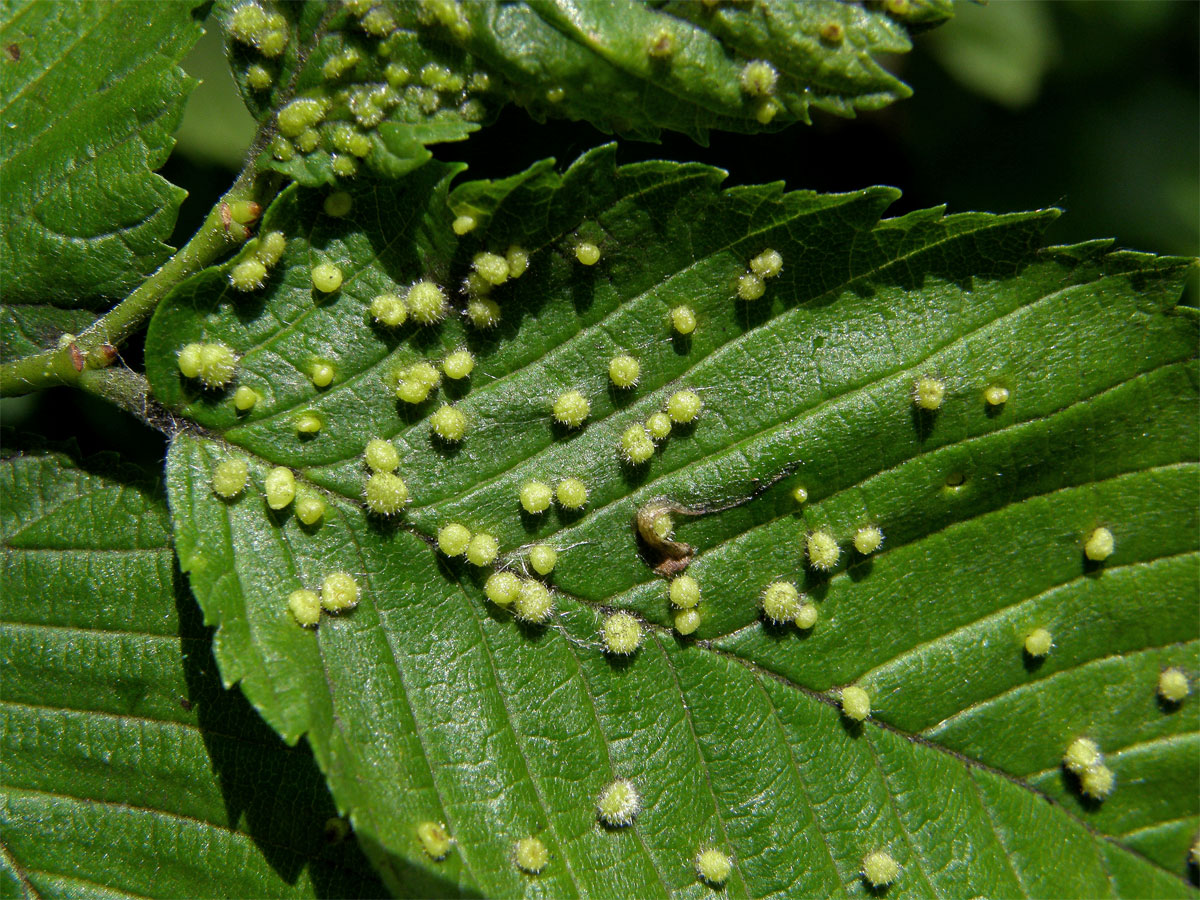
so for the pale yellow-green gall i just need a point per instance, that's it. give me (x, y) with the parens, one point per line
(658, 426)
(534, 603)
(299, 115)
(248, 275)
(378, 22)
(543, 557)
(624, 371)
(661, 44)
(833, 33)
(684, 406)
(229, 478)
(1173, 683)
(713, 865)
(995, 395)
(389, 310)
(587, 253)
(684, 592)
(1082, 754)
(462, 224)
(448, 423)
(780, 602)
(767, 264)
(1038, 642)
(213, 364)
(339, 591)
(619, 804)
(280, 487)
(412, 389)
(636, 446)
(308, 423)
(800, 494)
(806, 616)
(385, 493)
(750, 286)
(687, 621)
(683, 319)
(868, 539)
(310, 508)
(248, 23)
(381, 455)
(309, 140)
(482, 549)
(1098, 782)
(338, 204)
(535, 496)
(492, 267)
(326, 277)
(244, 398)
(502, 588)
(571, 409)
(459, 364)
(879, 869)
(518, 261)
(621, 633)
(435, 839)
(282, 149)
(483, 312)
(572, 493)
(823, 550)
(856, 703)
(766, 111)
(321, 372)
(426, 302)
(397, 75)
(530, 855)
(271, 247)
(305, 607)
(1099, 545)
(453, 539)
(758, 78)
(929, 393)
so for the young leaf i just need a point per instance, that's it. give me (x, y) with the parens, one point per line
(428, 702)
(392, 77)
(90, 96)
(127, 768)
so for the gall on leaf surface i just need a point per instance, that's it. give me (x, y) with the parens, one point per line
(429, 703)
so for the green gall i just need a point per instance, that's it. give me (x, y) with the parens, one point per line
(483, 312)
(305, 607)
(572, 493)
(758, 78)
(217, 365)
(684, 406)
(389, 310)
(309, 140)
(750, 286)
(339, 591)
(190, 359)
(1038, 643)
(492, 267)
(624, 371)
(502, 588)
(326, 277)
(464, 224)
(780, 602)
(868, 539)
(280, 487)
(571, 409)
(543, 557)
(321, 372)
(397, 76)
(806, 616)
(636, 446)
(426, 302)
(879, 869)
(271, 247)
(621, 634)
(435, 839)
(530, 855)
(343, 166)
(658, 426)
(482, 549)
(928, 393)
(619, 804)
(1082, 754)
(1173, 684)
(385, 493)
(995, 395)
(535, 496)
(713, 865)
(308, 423)
(856, 703)
(299, 115)
(684, 592)
(833, 33)
(800, 494)
(459, 364)
(310, 508)
(767, 264)
(534, 604)
(823, 550)
(587, 253)
(661, 45)
(282, 149)
(453, 539)
(518, 261)
(448, 423)
(1100, 545)
(683, 319)
(687, 621)
(1098, 782)
(229, 478)
(381, 455)
(339, 64)
(338, 204)
(244, 398)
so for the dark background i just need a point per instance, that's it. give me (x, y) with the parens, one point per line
(1089, 105)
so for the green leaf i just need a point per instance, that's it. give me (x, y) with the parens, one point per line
(397, 76)
(90, 95)
(426, 702)
(126, 769)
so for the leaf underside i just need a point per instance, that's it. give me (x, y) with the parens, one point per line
(127, 770)
(428, 703)
(90, 94)
(437, 70)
